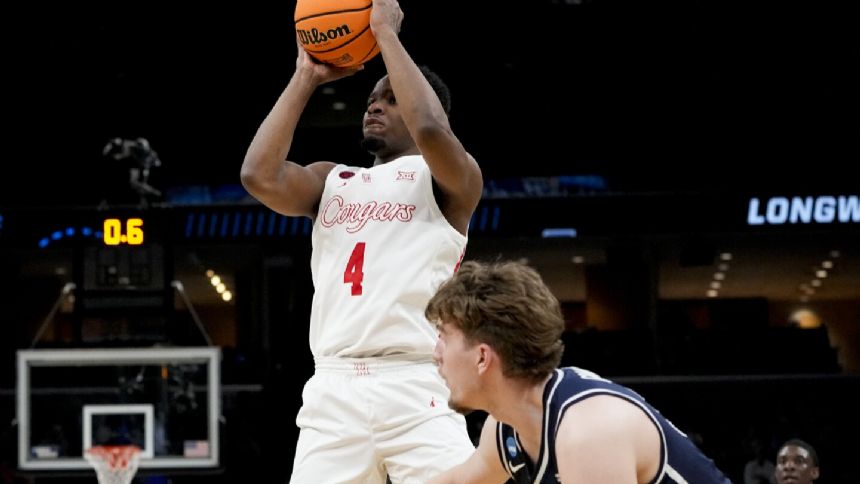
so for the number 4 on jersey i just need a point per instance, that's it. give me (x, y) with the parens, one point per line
(354, 273)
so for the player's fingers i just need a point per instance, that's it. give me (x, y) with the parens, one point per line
(354, 69)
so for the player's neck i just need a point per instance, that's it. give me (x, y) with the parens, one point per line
(382, 158)
(519, 403)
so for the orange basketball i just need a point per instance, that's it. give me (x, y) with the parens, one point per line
(336, 32)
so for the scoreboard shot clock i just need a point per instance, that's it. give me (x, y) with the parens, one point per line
(127, 267)
(118, 231)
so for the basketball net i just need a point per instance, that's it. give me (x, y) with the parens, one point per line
(114, 464)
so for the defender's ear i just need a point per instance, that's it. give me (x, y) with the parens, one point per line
(814, 472)
(486, 357)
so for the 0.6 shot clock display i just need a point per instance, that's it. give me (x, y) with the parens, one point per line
(118, 231)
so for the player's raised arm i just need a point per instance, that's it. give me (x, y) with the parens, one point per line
(284, 186)
(453, 169)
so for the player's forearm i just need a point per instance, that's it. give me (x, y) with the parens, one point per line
(265, 157)
(420, 107)
(427, 122)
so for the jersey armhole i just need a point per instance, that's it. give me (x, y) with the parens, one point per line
(500, 448)
(328, 175)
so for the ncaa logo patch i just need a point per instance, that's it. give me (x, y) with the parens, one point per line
(512, 446)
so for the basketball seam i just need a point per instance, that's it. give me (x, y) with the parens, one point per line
(343, 44)
(368, 52)
(333, 13)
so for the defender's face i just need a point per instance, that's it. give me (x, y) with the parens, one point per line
(794, 465)
(457, 360)
(383, 127)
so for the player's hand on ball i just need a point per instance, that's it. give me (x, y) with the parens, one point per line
(321, 72)
(386, 14)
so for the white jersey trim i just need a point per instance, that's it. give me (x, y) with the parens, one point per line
(673, 474)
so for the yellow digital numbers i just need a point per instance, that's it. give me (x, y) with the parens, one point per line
(113, 231)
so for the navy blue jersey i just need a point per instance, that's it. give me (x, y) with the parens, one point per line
(681, 461)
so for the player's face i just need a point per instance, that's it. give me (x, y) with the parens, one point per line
(385, 133)
(794, 465)
(456, 360)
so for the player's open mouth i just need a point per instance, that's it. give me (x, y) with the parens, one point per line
(372, 121)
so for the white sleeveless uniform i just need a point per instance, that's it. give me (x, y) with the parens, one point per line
(376, 404)
(409, 250)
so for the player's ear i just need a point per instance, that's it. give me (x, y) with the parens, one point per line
(485, 357)
(814, 472)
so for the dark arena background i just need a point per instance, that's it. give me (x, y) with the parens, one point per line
(681, 173)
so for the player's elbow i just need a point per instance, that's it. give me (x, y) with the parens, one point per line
(253, 178)
(250, 178)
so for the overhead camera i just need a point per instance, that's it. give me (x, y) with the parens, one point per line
(141, 158)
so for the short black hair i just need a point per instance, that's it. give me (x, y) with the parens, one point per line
(804, 445)
(439, 87)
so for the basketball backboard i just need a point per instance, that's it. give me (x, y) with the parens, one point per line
(164, 400)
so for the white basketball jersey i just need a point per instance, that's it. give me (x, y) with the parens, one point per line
(381, 247)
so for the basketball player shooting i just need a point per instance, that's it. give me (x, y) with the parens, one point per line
(384, 238)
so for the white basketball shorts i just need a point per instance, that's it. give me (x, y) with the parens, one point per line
(363, 419)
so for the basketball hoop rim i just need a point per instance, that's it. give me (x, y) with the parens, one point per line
(113, 456)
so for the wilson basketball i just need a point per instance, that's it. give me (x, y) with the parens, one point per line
(336, 32)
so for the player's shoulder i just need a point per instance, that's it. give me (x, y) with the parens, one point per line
(322, 168)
